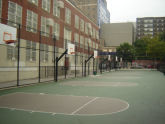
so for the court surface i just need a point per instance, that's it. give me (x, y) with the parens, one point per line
(119, 97)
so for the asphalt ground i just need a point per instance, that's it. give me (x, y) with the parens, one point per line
(146, 99)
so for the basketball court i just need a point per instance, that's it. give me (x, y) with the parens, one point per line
(119, 97)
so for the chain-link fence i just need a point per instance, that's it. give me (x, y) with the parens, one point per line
(38, 56)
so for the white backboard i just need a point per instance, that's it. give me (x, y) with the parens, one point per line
(7, 33)
(71, 49)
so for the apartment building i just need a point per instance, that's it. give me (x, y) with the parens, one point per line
(40, 22)
(149, 26)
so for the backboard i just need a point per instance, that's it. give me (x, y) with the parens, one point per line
(8, 34)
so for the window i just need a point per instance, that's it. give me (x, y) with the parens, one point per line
(12, 52)
(34, 2)
(0, 8)
(45, 29)
(97, 46)
(76, 38)
(82, 25)
(90, 43)
(67, 37)
(81, 42)
(67, 16)
(76, 22)
(30, 51)
(14, 14)
(97, 35)
(86, 43)
(31, 21)
(44, 52)
(86, 28)
(56, 9)
(46, 5)
(93, 34)
(56, 30)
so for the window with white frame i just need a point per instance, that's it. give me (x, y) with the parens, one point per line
(44, 52)
(81, 41)
(0, 8)
(46, 5)
(14, 14)
(30, 51)
(45, 29)
(67, 37)
(67, 16)
(76, 21)
(86, 28)
(56, 9)
(31, 21)
(12, 52)
(76, 38)
(34, 2)
(94, 45)
(97, 46)
(86, 43)
(81, 25)
(56, 30)
(93, 34)
(97, 35)
(90, 42)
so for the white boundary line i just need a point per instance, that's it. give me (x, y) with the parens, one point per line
(83, 106)
(53, 113)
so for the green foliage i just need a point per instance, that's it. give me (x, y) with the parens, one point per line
(146, 48)
(126, 51)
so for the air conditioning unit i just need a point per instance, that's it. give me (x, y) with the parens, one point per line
(49, 22)
(33, 1)
(13, 58)
(60, 4)
(31, 59)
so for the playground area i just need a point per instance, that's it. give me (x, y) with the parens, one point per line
(115, 97)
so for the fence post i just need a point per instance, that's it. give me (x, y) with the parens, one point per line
(82, 66)
(39, 66)
(54, 39)
(19, 35)
(75, 58)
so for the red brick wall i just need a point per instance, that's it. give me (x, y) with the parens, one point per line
(38, 9)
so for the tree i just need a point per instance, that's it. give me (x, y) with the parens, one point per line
(156, 48)
(140, 47)
(126, 51)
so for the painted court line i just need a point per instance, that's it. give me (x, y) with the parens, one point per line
(84, 106)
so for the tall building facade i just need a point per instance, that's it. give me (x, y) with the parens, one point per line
(115, 34)
(96, 10)
(40, 21)
(149, 26)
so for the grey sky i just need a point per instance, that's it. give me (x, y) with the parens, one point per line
(129, 10)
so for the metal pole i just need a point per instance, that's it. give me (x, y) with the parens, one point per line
(93, 64)
(19, 35)
(82, 66)
(75, 60)
(85, 69)
(39, 66)
(56, 69)
(54, 39)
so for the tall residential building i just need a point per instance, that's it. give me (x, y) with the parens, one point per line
(149, 26)
(96, 10)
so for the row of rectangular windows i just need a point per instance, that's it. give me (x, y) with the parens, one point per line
(15, 16)
(12, 52)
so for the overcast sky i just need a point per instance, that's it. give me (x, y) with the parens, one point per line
(129, 10)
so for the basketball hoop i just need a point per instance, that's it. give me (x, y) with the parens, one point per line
(72, 53)
(9, 41)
